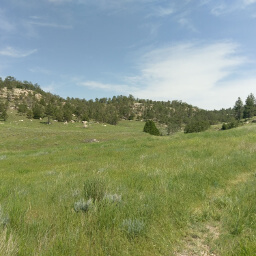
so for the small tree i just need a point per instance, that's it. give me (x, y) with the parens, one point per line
(3, 111)
(49, 111)
(239, 108)
(150, 128)
(22, 108)
(249, 108)
(30, 114)
(38, 111)
(173, 127)
(230, 125)
(196, 126)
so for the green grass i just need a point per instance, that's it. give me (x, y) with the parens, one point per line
(149, 195)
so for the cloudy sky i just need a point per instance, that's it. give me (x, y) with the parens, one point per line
(202, 52)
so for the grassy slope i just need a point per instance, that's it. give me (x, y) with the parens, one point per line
(181, 195)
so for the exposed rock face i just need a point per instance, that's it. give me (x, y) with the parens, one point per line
(16, 92)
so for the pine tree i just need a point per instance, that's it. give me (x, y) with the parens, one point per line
(238, 109)
(49, 111)
(38, 111)
(150, 128)
(249, 108)
(3, 111)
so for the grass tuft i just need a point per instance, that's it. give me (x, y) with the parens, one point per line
(94, 188)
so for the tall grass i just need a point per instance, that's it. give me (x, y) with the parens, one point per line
(129, 194)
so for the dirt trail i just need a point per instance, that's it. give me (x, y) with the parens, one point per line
(200, 236)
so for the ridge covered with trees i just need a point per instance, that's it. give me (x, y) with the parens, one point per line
(30, 100)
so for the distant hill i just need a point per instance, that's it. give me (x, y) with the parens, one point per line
(30, 100)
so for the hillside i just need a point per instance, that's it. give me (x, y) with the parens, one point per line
(114, 190)
(32, 102)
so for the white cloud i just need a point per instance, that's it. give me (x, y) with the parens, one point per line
(184, 22)
(11, 52)
(5, 24)
(248, 2)
(39, 70)
(106, 87)
(188, 72)
(221, 7)
(198, 74)
(115, 6)
(50, 88)
(163, 11)
(51, 25)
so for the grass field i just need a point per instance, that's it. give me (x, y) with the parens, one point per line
(128, 194)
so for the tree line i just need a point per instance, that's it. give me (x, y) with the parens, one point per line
(247, 110)
(174, 115)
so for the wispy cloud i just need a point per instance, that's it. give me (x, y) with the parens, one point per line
(186, 23)
(39, 70)
(114, 6)
(222, 8)
(50, 88)
(11, 52)
(196, 73)
(107, 87)
(162, 11)
(187, 71)
(248, 2)
(51, 25)
(5, 24)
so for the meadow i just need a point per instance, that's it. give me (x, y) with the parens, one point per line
(129, 193)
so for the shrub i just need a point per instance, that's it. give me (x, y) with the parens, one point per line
(150, 128)
(82, 205)
(94, 189)
(113, 198)
(196, 126)
(230, 125)
(133, 228)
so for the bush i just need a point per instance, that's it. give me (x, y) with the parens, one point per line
(82, 205)
(196, 126)
(133, 227)
(230, 125)
(150, 128)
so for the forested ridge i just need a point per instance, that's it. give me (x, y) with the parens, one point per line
(30, 100)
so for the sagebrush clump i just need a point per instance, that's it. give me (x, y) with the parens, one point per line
(82, 205)
(133, 227)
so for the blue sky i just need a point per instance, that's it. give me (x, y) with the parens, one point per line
(199, 51)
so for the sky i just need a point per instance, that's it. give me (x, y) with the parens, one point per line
(202, 52)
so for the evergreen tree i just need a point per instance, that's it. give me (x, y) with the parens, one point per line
(22, 108)
(49, 111)
(150, 128)
(239, 109)
(29, 114)
(59, 115)
(67, 110)
(3, 111)
(249, 108)
(38, 111)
